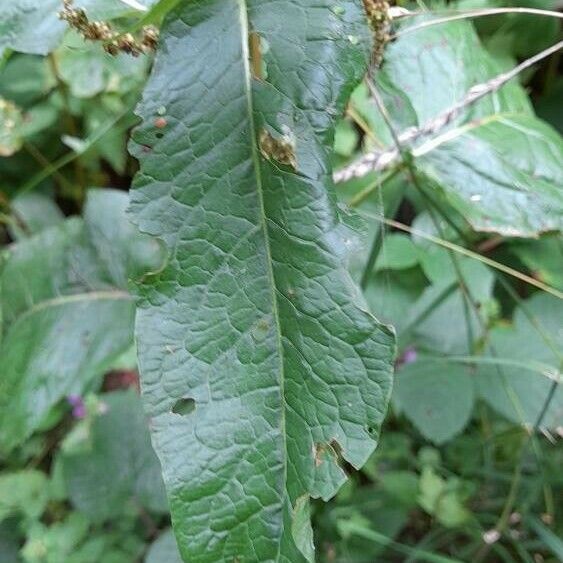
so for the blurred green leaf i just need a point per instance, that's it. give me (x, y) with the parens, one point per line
(432, 69)
(26, 80)
(519, 393)
(9, 544)
(23, 493)
(125, 253)
(30, 26)
(397, 253)
(66, 314)
(164, 549)
(497, 165)
(120, 465)
(441, 500)
(34, 212)
(88, 70)
(436, 397)
(345, 138)
(504, 175)
(552, 541)
(543, 257)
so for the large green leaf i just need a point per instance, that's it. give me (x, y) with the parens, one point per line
(261, 367)
(65, 315)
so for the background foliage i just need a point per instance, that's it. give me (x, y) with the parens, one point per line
(468, 463)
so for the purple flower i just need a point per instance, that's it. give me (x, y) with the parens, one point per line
(408, 356)
(78, 406)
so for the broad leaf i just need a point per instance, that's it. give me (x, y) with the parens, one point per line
(436, 396)
(397, 253)
(33, 212)
(164, 549)
(521, 386)
(30, 26)
(119, 466)
(431, 69)
(88, 70)
(33, 26)
(261, 366)
(498, 165)
(65, 317)
(504, 175)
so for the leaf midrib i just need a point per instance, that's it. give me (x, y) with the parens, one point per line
(107, 295)
(245, 31)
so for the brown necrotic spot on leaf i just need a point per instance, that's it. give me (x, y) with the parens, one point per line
(255, 56)
(280, 149)
(333, 449)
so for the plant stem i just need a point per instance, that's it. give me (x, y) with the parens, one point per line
(71, 128)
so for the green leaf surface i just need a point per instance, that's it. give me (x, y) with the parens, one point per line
(254, 323)
(120, 465)
(543, 257)
(34, 26)
(428, 71)
(164, 549)
(397, 253)
(88, 70)
(34, 212)
(504, 175)
(9, 544)
(30, 26)
(436, 397)
(518, 393)
(124, 252)
(440, 499)
(495, 163)
(23, 493)
(65, 317)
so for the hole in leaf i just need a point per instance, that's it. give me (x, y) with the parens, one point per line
(184, 406)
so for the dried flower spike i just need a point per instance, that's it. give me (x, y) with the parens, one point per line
(380, 22)
(114, 42)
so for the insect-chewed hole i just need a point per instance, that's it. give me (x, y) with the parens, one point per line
(184, 406)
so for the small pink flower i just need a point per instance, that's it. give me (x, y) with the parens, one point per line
(409, 356)
(78, 406)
